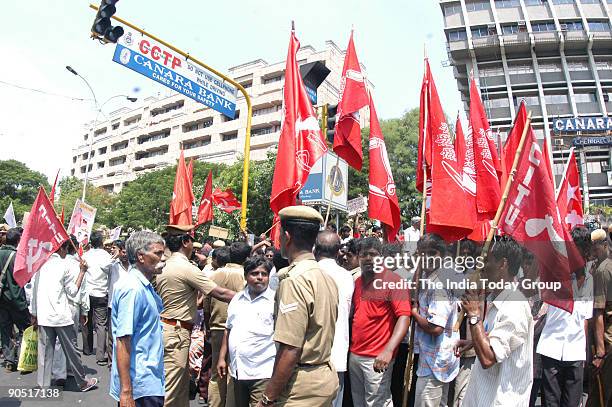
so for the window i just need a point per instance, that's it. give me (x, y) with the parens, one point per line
(119, 146)
(599, 26)
(273, 79)
(529, 100)
(168, 109)
(72, 172)
(149, 154)
(534, 2)
(491, 71)
(266, 110)
(457, 35)
(229, 136)
(510, 29)
(477, 5)
(196, 144)
(115, 126)
(153, 136)
(452, 9)
(507, 3)
(131, 120)
(518, 69)
(603, 65)
(265, 130)
(85, 156)
(497, 103)
(99, 132)
(85, 137)
(200, 124)
(555, 99)
(572, 26)
(594, 167)
(116, 161)
(83, 169)
(102, 150)
(589, 1)
(543, 27)
(578, 65)
(563, 1)
(481, 32)
(585, 98)
(101, 164)
(549, 67)
(74, 159)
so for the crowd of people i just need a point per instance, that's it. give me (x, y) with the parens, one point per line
(310, 324)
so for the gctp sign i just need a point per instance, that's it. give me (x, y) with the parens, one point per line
(146, 56)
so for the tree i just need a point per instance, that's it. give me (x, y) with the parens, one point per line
(71, 189)
(19, 184)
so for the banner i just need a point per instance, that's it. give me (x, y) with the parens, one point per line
(81, 221)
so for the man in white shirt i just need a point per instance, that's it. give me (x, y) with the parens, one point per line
(97, 285)
(116, 269)
(412, 235)
(51, 314)
(249, 337)
(503, 342)
(326, 250)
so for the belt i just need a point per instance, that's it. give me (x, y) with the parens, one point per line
(310, 365)
(176, 322)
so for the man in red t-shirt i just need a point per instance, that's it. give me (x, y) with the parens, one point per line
(380, 321)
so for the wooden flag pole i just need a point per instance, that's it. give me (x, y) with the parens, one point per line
(500, 209)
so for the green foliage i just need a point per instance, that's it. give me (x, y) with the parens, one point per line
(19, 184)
(71, 189)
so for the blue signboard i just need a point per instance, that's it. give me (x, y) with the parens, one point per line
(586, 124)
(592, 141)
(313, 188)
(155, 61)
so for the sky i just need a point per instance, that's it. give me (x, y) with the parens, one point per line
(39, 38)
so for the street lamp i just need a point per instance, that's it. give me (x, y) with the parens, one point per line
(95, 123)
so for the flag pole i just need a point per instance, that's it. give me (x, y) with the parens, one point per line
(500, 208)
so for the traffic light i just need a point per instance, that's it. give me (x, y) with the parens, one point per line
(102, 28)
(330, 112)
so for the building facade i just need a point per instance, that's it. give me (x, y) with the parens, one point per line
(556, 55)
(135, 141)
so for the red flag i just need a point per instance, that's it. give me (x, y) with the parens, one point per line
(180, 206)
(205, 210)
(226, 200)
(449, 212)
(190, 176)
(353, 96)
(488, 192)
(546, 156)
(569, 198)
(62, 216)
(512, 142)
(382, 201)
(531, 217)
(301, 143)
(275, 231)
(42, 236)
(464, 149)
(424, 148)
(52, 194)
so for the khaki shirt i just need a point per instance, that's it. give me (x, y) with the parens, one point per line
(305, 310)
(178, 285)
(231, 277)
(602, 297)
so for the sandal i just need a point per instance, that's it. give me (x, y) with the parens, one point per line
(91, 383)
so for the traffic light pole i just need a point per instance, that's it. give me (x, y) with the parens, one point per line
(247, 136)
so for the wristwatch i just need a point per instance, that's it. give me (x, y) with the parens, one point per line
(266, 401)
(473, 319)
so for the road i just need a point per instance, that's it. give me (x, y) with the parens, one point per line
(97, 397)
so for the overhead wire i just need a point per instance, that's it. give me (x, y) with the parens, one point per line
(14, 85)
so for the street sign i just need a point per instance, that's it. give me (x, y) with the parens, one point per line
(327, 183)
(586, 124)
(357, 205)
(143, 54)
(592, 141)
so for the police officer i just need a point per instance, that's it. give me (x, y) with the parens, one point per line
(305, 315)
(177, 286)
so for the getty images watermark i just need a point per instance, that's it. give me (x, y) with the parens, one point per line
(456, 276)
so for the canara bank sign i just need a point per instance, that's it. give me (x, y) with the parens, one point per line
(146, 56)
(575, 124)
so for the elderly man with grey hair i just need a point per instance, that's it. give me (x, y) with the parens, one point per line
(137, 375)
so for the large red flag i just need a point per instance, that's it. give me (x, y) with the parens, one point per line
(275, 231)
(205, 210)
(531, 217)
(353, 96)
(511, 144)
(52, 193)
(301, 143)
(180, 206)
(488, 192)
(382, 200)
(569, 198)
(226, 200)
(449, 212)
(42, 236)
(464, 149)
(546, 156)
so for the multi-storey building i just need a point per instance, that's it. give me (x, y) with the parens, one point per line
(150, 137)
(556, 55)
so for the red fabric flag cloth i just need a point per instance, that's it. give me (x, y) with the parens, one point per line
(424, 148)
(42, 236)
(569, 198)
(62, 215)
(301, 143)
(52, 193)
(275, 231)
(382, 200)
(464, 150)
(205, 210)
(180, 206)
(511, 144)
(226, 200)
(190, 177)
(546, 156)
(353, 96)
(488, 192)
(449, 212)
(531, 217)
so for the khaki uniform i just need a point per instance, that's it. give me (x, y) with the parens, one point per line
(231, 277)
(305, 313)
(177, 286)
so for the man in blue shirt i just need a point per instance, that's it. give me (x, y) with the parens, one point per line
(137, 376)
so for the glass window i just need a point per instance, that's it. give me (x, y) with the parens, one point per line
(452, 9)
(563, 1)
(599, 26)
(549, 66)
(543, 27)
(517, 69)
(497, 103)
(489, 71)
(572, 26)
(510, 29)
(480, 32)
(603, 65)
(589, 1)
(555, 99)
(578, 65)
(585, 98)
(507, 3)
(534, 2)
(457, 35)
(529, 100)
(477, 5)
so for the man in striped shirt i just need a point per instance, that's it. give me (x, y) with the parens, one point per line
(503, 342)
